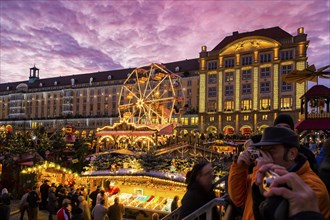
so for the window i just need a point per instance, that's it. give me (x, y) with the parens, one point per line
(211, 106)
(212, 65)
(265, 57)
(229, 62)
(286, 103)
(264, 87)
(229, 90)
(286, 55)
(194, 121)
(246, 105)
(246, 88)
(265, 104)
(91, 92)
(265, 72)
(228, 118)
(114, 90)
(245, 118)
(229, 76)
(286, 87)
(212, 119)
(189, 83)
(229, 106)
(264, 117)
(212, 78)
(285, 69)
(212, 92)
(189, 92)
(246, 60)
(246, 74)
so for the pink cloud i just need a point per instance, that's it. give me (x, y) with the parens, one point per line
(70, 37)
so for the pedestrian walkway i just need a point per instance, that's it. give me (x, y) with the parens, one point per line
(15, 213)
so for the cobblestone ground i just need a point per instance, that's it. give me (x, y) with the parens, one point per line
(42, 215)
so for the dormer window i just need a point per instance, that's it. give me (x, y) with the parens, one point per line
(40, 84)
(72, 81)
(55, 83)
(177, 69)
(109, 77)
(90, 80)
(8, 88)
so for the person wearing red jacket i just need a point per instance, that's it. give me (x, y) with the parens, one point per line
(65, 212)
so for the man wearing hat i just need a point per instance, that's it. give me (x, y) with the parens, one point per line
(278, 145)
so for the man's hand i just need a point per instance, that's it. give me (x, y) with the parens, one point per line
(244, 159)
(265, 158)
(299, 195)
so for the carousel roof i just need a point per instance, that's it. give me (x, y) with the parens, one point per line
(317, 91)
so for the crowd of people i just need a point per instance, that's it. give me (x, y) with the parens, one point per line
(69, 203)
(273, 178)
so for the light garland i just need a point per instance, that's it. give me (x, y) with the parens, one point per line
(46, 165)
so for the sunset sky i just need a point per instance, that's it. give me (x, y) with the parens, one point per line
(74, 37)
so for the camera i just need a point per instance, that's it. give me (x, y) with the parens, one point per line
(254, 153)
(269, 177)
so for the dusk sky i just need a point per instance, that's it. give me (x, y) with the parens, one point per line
(74, 37)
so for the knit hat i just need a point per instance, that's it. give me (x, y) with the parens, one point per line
(284, 119)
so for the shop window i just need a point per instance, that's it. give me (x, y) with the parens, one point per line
(265, 104)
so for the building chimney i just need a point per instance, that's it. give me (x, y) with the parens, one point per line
(235, 33)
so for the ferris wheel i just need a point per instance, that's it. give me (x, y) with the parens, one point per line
(151, 96)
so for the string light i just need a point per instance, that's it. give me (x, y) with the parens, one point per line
(41, 167)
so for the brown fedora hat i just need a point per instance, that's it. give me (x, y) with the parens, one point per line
(278, 135)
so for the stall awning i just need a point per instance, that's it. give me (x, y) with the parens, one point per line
(127, 133)
(314, 124)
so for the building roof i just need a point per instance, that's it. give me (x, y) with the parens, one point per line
(317, 91)
(121, 74)
(275, 33)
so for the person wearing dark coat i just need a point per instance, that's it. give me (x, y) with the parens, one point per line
(325, 166)
(116, 211)
(199, 190)
(93, 196)
(44, 189)
(52, 203)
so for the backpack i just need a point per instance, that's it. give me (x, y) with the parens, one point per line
(33, 199)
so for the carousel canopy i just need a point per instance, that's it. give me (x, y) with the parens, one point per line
(314, 124)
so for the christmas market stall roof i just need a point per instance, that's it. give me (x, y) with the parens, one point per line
(49, 167)
(314, 124)
(317, 91)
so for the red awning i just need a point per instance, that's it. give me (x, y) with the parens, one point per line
(314, 124)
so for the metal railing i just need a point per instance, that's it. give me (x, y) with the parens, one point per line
(205, 211)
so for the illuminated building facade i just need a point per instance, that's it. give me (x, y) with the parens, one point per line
(241, 87)
(234, 88)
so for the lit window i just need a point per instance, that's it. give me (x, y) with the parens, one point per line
(229, 106)
(212, 65)
(265, 72)
(212, 78)
(246, 104)
(265, 104)
(264, 117)
(194, 121)
(246, 74)
(228, 118)
(286, 103)
(265, 57)
(211, 119)
(229, 90)
(245, 117)
(246, 88)
(246, 60)
(229, 62)
(229, 76)
(212, 92)
(264, 87)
